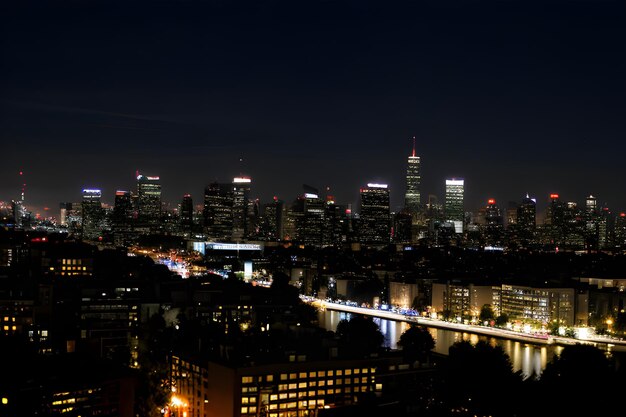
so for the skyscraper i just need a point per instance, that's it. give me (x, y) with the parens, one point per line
(186, 213)
(374, 215)
(453, 211)
(148, 200)
(93, 214)
(241, 193)
(413, 181)
(308, 215)
(527, 215)
(218, 211)
(123, 217)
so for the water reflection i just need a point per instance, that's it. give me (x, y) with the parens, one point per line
(525, 357)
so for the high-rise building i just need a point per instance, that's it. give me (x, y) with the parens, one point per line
(453, 211)
(413, 180)
(620, 231)
(122, 208)
(374, 214)
(308, 215)
(122, 218)
(148, 200)
(186, 213)
(272, 220)
(93, 214)
(335, 223)
(218, 211)
(591, 223)
(527, 214)
(241, 194)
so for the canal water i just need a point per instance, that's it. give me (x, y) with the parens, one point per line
(529, 358)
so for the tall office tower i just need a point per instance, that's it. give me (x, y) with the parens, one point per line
(122, 218)
(93, 214)
(555, 215)
(307, 213)
(65, 209)
(18, 213)
(620, 231)
(148, 200)
(241, 193)
(413, 181)
(606, 228)
(527, 214)
(122, 209)
(186, 213)
(374, 214)
(335, 223)
(591, 205)
(401, 231)
(494, 223)
(453, 209)
(591, 222)
(272, 220)
(218, 211)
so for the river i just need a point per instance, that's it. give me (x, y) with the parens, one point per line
(526, 357)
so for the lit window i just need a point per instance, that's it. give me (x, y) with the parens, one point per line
(302, 375)
(244, 410)
(300, 385)
(269, 378)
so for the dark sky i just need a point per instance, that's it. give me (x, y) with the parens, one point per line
(514, 96)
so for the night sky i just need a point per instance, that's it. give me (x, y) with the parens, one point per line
(513, 96)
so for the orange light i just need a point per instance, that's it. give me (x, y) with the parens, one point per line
(554, 196)
(491, 201)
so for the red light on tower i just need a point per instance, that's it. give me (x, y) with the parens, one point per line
(622, 214)
(491, 201)
(554, 196)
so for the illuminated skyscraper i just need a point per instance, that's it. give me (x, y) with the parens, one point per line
(527, 215)
(93, 214)
(122, 219)
(374, 215)
(241, 193)
(453, 211)
(413, 181)
(148, 200)
(186, 213)
(272, 221)
(218, 211)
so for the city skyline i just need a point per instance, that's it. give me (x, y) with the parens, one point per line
(513, 97)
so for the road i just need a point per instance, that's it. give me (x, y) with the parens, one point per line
(601, 342)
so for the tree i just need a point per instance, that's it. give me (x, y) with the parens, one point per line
(502, 320)
(359, 336)
(580, 369)
(486, 313)
(416, 343)
(480, 379)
